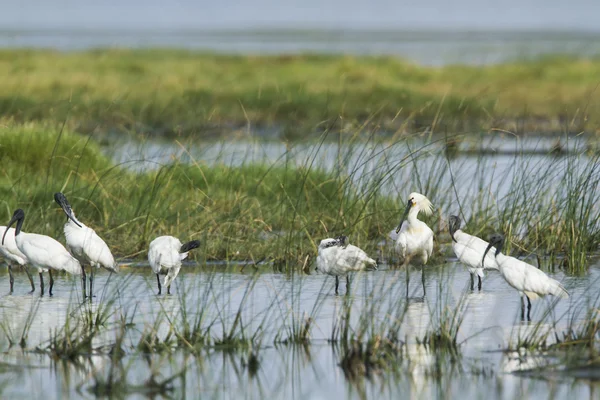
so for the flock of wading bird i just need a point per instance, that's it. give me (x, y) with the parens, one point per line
(413, 244)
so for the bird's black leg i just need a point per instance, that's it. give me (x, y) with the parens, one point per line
(51, 282)
(347, 284)
(528, 308)
(30, 278)
(169, 289)
(83, 280)
(407, 277)
(158, 281)
(522, 309)
(91, 281)
(423, 279)
(11, 278)
(472, 283)
(337, 284)
(41, 283)
(479, 285)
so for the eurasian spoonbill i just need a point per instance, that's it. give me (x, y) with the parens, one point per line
(85, 245)
(165, 255)
(528, 280)
(469, 249)
(42, 251)
(415, 238)
(337, 258)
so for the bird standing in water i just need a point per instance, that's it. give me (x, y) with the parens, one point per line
(469, 249)
(528, 280)
(415, 239)
(165, 255)
(85, 245)
(336, 257)
(12, 254)
(42, 252)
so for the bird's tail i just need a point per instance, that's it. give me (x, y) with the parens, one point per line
(72, 266)
(560, 291)
(189, 246)
(170, 277)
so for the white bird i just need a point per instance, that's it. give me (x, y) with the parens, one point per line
(337, 258)
(85, 244)
(165, 255)
(42, 251)
(469, 249)
(415, 238)
(12, 254)
(528, 280)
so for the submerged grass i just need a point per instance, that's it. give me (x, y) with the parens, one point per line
(178, 91)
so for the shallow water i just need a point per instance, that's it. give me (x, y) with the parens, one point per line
(492, 164)
(492, 321)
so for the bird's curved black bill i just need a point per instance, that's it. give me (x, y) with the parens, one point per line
(64, 204)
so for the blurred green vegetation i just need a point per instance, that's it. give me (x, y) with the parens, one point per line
(174, 92)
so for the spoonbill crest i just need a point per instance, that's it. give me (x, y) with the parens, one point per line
(165, 255)
(42, 251)
(415, 238)
(85, 245)
(528, 280)
(12, 254)
(336, 257)
(469, 249)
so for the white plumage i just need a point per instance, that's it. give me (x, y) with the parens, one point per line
(469, 249)
(42, 252)
(337, 258)
(165, 255)
(84, 243)
(525, 278)
(415, 239)
(12, 254)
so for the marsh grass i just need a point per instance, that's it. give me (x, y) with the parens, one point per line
(276, 213)
(176, 92)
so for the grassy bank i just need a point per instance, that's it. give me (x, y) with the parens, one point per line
(253, 212)
(181, 92)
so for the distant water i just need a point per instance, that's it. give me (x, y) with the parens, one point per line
(424, 47)
(431, 32)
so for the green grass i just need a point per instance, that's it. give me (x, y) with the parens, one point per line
(183, 92)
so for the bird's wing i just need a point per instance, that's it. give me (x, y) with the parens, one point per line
(45, 252)
(354, 258)
(538, 282)
(429, 242)
(97, 251)
(401, 243)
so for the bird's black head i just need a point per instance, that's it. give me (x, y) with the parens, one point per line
(342, 239)
(18, 216)
(495, 240)
(453, 225)
(61, 200)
